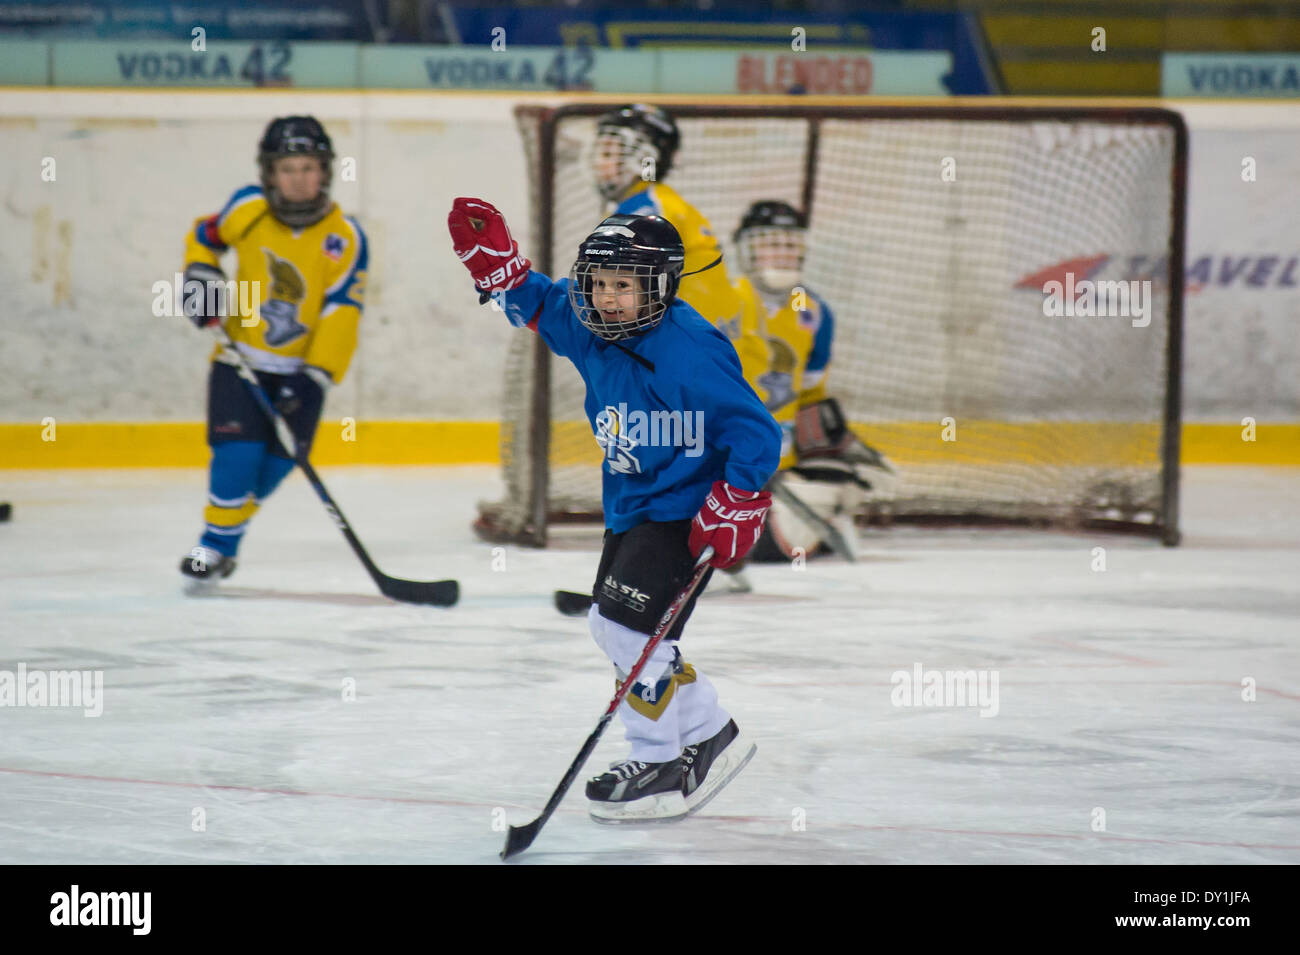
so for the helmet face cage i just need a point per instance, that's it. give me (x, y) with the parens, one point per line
(595, 287)
(296, 136)
(618, 157)
(772, 256)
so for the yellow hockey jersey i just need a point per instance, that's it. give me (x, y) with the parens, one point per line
(301, 291)
(797, 330)
(711, 292)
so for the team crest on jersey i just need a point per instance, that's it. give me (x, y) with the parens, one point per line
(808, 319)
(288, 289)
(778, 382)
(611, 435)
(334, 246)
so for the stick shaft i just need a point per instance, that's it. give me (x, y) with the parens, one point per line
(440, 592)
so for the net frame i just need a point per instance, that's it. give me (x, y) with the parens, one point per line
(530, 506)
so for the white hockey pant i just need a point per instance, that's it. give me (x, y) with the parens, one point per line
(671, 706)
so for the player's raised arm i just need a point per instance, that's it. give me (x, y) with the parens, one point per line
(502, 273)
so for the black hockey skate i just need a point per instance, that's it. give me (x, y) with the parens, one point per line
(203, 567)
(633, 791)
(711, 764)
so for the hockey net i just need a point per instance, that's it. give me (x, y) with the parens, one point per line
(932, 233)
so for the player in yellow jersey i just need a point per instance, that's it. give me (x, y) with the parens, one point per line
(634, 150)
(822, 461)
(795, 323)
(293, 315)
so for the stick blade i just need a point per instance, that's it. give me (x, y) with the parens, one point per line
(572, 604)
(519, 838)
(438, 593)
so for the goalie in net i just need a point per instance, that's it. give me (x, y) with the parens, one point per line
(823, 462)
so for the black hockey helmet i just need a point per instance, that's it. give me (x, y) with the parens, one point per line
(764, 220)
(644, 132)
(646, 248)
(296, 136)
(771, 213)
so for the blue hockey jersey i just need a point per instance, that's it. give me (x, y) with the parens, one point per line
(668, 433)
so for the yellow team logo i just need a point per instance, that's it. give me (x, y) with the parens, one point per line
(778, 382)
(288, 289)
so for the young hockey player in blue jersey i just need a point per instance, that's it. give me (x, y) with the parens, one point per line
(687, 448)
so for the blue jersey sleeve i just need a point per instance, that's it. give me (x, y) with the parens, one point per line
(735, 418)
(543, 306)
(820, 356)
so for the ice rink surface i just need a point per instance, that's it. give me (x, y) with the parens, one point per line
(225, 736)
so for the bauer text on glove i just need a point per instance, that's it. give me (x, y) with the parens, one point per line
(730, 521)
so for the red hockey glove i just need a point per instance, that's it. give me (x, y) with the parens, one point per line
(483, 242)
(730, 521)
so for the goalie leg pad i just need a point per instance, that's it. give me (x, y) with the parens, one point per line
(788, 534)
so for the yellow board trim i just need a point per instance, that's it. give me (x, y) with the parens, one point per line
(181, 444)
(113, 444)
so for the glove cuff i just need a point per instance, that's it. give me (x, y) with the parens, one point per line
(736, 494)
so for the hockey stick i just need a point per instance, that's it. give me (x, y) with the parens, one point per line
(520, 838)
(440, 593)
(829, 533)
(571, 603)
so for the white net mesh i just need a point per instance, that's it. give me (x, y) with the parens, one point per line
(923, 237)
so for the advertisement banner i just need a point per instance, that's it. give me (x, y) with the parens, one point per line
(513, 68)
(221, 63)
(1265, 75)
(830, 71)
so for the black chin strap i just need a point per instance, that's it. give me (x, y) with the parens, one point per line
(645, 362)
(717, 261)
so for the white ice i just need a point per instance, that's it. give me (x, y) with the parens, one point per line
(1120, 691)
